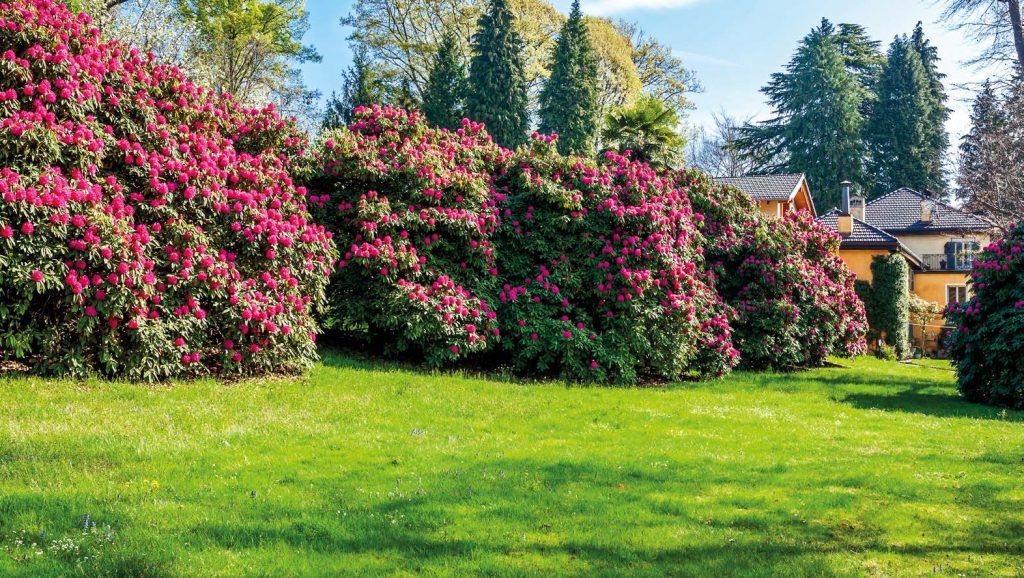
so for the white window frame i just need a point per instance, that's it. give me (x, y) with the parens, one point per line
(958, 286)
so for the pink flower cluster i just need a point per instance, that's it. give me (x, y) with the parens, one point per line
(149, 214)
(986, 346)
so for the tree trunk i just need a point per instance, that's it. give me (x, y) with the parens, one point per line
(1018, 30)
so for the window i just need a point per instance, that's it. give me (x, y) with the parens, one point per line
(960, 254)
(956, 294)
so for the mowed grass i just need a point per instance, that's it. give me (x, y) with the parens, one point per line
(870, 469)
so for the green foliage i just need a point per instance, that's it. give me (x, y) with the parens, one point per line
(166, 237)
(936, 140)
(886, 352)
(819, 105)
(986, 345)
(647, 129)
(361, 86)
(897, 133)
(889, 304)
(402, 38)
(793, 296)
(254, 49)
(497, 83)
(445, 94)
(569, 100)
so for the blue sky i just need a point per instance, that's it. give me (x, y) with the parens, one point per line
(733, 45)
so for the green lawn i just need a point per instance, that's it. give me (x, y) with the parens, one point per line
(873, 469)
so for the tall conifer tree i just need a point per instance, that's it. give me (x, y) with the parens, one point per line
(568, 101)
(818, 119)
(443, 99)
(936, 136)
(898, 130)
(497, 81)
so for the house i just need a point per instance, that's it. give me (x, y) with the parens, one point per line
(939, 242)
(775, 195)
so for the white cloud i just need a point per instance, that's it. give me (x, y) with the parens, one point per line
(606, 7)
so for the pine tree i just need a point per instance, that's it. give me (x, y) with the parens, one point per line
(863, 56)
(986, 120)
(568, 101)
(818, 119)
(361, 86)
(443, 98)
(898, 130)
(336, 113)
(936, 137)
(497, 81)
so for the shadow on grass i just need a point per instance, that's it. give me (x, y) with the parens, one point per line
(494, 523)
(912, 398)
(845, 384)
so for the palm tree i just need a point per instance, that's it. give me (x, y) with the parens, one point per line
(647, 129)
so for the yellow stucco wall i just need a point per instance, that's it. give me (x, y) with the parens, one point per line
(936, 244)
(770, 208)
(931, 286)
(859, 261)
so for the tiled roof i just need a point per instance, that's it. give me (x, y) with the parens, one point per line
(765, 187)
(900, 212)
(863, 233)
(866, 236)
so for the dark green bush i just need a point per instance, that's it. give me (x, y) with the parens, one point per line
(987, 345)
(888, 311)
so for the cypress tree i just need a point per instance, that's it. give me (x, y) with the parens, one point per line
(568, 101)
(898, 130)
(497, 81)
(445, 92)
(936, 137)
(818, 119)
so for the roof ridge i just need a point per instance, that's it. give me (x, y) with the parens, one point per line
(893, 192)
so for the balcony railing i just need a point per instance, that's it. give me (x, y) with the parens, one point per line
(948, 262)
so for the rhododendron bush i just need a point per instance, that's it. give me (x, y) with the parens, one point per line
(986, 346)
(148, 228)
(602, 278)
(453, 247)
(413, 215)
(793, 296)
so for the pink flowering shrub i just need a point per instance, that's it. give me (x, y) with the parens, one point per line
(986, 346)
(793, 296)
(454, 247)
(413, 215)
(602, 277)
(148, 228)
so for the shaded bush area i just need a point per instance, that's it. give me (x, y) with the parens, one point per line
(148, 228)
(456, 248)
(986, 346)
